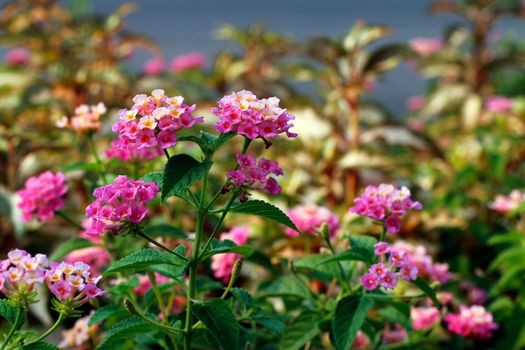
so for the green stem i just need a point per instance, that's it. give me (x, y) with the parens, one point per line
(13, 328)
(166, 153)
(69, 220)
(100, 165)
(392, 296)
(136, 311)
(61, 318)
(345, 280)
(383, 235)
(160, 245)
(201, 215)
(158, 296)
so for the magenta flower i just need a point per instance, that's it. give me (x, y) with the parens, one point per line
(192, 60)
(394, 334)
(222, 264)
(154, 66)
(309, 218)
(424, 317)
(152, 122)
(389, 280)
(242, 112)
(505, 204)
(380, 270)
(369, 281)
(498, 104)
(385, 201)
(426, 46)
(418, 257)
(17, 57)
(471, 322)
(42, 196)
(256, 175)
(122, 202)
(381, 248)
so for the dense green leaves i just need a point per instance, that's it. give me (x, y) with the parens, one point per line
(155, 176)
(350, 314)
(220, 321)
(427, 289)
(143, 259)
(287, 286)
(164, 230)
(299, 331)
(227, 246)
(126, 328)
(70, 245)
(180, 173)
(207, 142)
(9, 313)
(265, 210)
(40, 346)
(362, 249)
(104, 313)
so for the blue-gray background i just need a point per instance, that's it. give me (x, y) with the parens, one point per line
(181, 26)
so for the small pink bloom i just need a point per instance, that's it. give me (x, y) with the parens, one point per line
(426, 46)
(222, 264)
(471, 322)
(424, 317)
(154, 66)
(193, 60)
(415, 103)
(369, 281)
(17, 57)
(499, 104)
(309, 218)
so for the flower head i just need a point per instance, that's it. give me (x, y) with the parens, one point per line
(426, 46)
(423, 317)
(471, 322)
(154, 66)
(192, 60)
(85, 119)
(309, 217)
(122, 202)
(242, 112)
(42, 196)
(499, 104)
(17, 57)
(256, 175)
(222, 264)
(505, 204)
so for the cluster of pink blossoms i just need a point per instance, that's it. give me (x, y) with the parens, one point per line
(499, 104)
(42, 196)
(123, 201)
(418, 256)
(153, 121)
(68, 282)
(426, 46)
(424, 317)
(385, 203)
(505, 204)
(17, 57)
(245, 114)
(222, 264)
(384, 273)
(309, 217)
(471, 322)
(256, 174)
(131, 152)
(86, 118)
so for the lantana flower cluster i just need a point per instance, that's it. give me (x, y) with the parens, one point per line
(471, 322)
(245, 114)
(419, 257)
(21, 271)
(256, 174)
(424, 317)
(42, 196)
(222, 264)
(130, 152)
(385, 203)
(116, 204)
(386, 272)
(309, 217)
(86, 118)
(505, 204)
(153, 121)
(499, 104)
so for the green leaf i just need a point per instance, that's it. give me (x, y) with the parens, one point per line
(286, 286)
(227, 246)
(104, 313)
(242, 296)
(143, 259)
(272, 324)
(164, 230)
(220, 321)
(300, 331)
(393, 315)
(425, 288)
(124, 329)
(362, 249)
(350, 313)
(70, 245)
(170, 271)
(155, 176)
(180, 173)
(265, 210)
(40, 345)
(9, 313)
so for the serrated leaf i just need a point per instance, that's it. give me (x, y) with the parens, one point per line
(350, 313)
(242, 296)
(425, 288)
(143, 259)
(155, 176)
(9, 313)
(180, 173)
(362, 249)
(220, 321)
(164, 230)
(41, 345)
(70, 245)
(127, 328)
(265, 210)
(170, 271)
(227, 246)
(300, 331)
(104, 313)
(286, 286)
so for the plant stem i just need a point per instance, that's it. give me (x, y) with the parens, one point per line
(346, 281)
(61, 318)
(166, 153)
(160, 245)
(392, 296)
(69, 220)
(13, 328)
(383, 235)
(158, 296)
(201, 215)
(100, 166)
